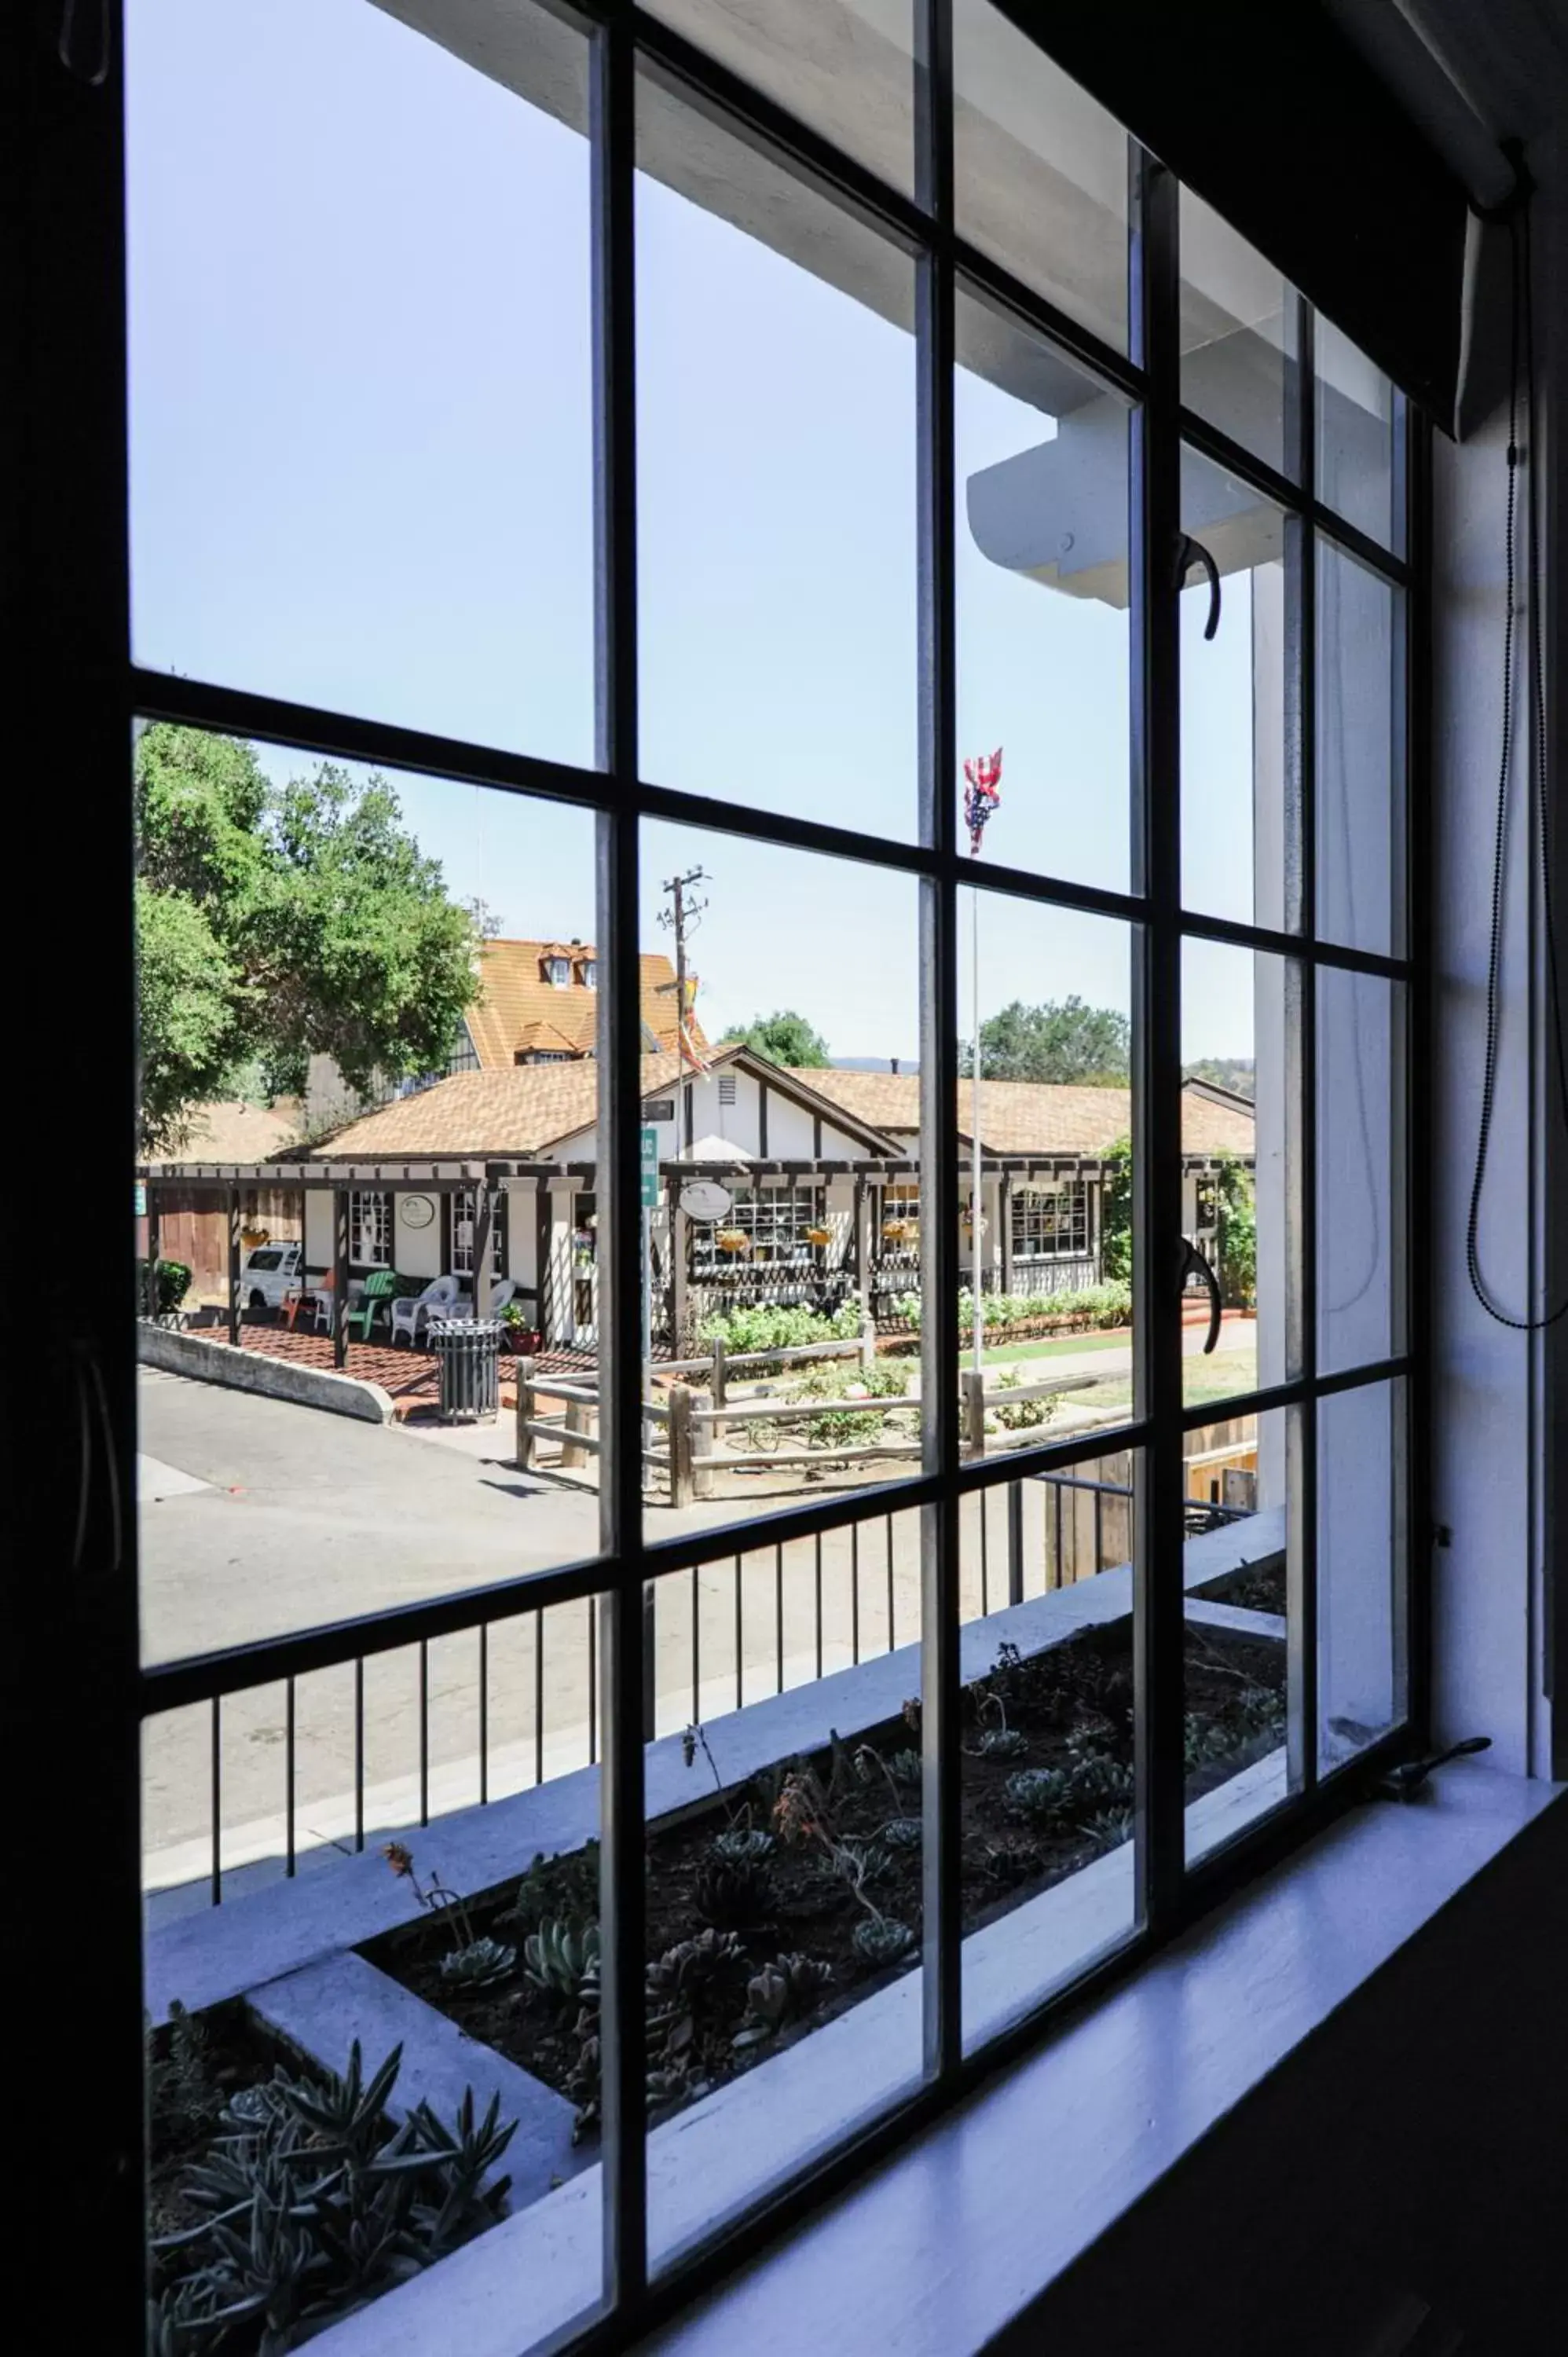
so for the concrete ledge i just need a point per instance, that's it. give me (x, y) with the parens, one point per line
(322, 2010)
(255, 1370)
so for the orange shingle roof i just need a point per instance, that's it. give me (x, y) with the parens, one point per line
(520, 1111)
(1032, 1117)
(517, 1004)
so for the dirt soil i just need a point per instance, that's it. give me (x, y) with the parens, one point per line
(1058, 1706)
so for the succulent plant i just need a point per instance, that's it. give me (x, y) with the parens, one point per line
(1205, 1739)
(1038, 1791)
(732, 1893)
(308, 2204)
(1110, 1828)
(1010, 1863)
(1097, 1781)
(742, 1846)
(686, 1982)
(566, 1885)
(1002, 1743)
(901, 1832)
(479, 1966)
(882, 1941)
(905, 1766)
(782, 1991)
(562, 1956)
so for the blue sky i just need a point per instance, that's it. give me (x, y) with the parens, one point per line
(361, 476)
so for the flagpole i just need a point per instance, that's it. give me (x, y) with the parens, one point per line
(975, 1200)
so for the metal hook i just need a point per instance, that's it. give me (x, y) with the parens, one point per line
(1190, 552)
(1191, 1258)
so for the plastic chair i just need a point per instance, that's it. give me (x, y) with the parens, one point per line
(409, 1315)
(381, 1288)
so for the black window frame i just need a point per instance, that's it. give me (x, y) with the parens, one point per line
(73, 404)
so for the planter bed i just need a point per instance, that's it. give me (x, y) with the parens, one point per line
(1252, 1586)
(1064, 1707)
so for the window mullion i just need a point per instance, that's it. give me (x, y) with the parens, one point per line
(943, 2042)
(623, 1905)
(1155, 500)
(1301, 1096)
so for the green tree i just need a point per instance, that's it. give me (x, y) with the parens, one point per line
(1236, 1241)
(1237, 1073)
(1064, 1040)
(785, 1038)
(278, 923)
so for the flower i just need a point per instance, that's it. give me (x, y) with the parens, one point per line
(400, 1860)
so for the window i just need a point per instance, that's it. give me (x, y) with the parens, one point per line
(1051, 1223)
(370, 1230)
(866, 463)
(464, 1217)
(777, 1225)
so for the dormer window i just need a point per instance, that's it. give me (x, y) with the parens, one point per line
(558, 971)
(590, 973)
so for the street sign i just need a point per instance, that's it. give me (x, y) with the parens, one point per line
(650, 1169)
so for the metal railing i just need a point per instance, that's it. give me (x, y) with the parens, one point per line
(1011, 1554)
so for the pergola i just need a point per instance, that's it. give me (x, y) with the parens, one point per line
(486, 1176)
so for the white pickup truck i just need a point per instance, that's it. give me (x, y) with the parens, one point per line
(268, 1272)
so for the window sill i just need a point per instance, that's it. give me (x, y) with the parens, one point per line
(978, 2220)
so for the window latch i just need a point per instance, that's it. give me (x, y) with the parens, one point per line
(84, 40)
(1191, 1258)
(1190, 552)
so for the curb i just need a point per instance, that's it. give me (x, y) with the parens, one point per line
(255, 1370)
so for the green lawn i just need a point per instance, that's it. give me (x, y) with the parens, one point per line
(1055, 1346)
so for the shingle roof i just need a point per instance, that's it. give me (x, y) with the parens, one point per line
(519, 1006)
(1032, 1117)
(520, 1111)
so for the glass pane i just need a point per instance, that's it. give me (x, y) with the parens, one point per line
(336, 1862)
(1360, 775)
(1238, 337)
(1240, 1168)
(319, 977)
(1357, 414)
(362, 423)
(1239, 833)
(1050, 1130)
(1361, 1568)
(784, 1865)
(788, 1139)
(1360, 1025)
(1040, 171)
(1046, 1776)
(844, 66)
(1238, 1537)
(776, 487)
(1041, 575)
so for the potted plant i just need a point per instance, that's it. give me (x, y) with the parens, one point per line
(253, 1238)
(518, 1336)
(895, 1232)
(819, 1235)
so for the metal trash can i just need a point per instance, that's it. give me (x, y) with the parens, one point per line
(468, 1350)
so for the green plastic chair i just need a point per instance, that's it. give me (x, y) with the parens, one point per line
(381, 1287)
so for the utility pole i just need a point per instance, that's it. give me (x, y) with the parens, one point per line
(681, 918)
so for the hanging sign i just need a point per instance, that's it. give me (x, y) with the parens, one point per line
(705, 1199)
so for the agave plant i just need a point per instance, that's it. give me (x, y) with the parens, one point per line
(1110, 1828)
(904, 1768)
(782, 1991)
(562, 1956)
(479, 1966)
(882, 1941)
(310, 2204)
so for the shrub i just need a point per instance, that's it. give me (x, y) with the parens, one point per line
(173, 1284)
(838, 1380)
(775, 1327)
(1093, 1305)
